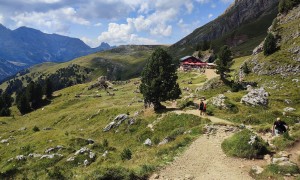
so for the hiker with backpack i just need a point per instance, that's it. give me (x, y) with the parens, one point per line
(202, 107)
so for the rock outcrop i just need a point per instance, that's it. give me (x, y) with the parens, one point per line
(256, 97)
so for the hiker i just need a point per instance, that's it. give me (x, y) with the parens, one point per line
(202, 107)
(279, 127)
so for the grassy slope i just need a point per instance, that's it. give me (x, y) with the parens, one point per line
(129, 59)
(85, 117)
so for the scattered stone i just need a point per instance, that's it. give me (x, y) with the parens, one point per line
(164, 141)
(279, 160)
(267, 157)
(49, 150)
(34, 155)
(289, 109)
(47, 128)
(287, 101)
(287, 163)
(70, 159)
(257, 169)
(81, 151)
(10, 159)
(4, 141)
(256, 97)
(295, 80)
(92, 155)
(116, 122)
(86, 162)
(284, 154)
(105, 154)
(148, 142)
(219, 101)
(188, 177)
(90, 141)
(131, 121)
(20, 158)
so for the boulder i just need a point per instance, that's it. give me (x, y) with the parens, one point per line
(148, 142)
(82, 150)
(22, 129)
(20, 158)
(4, 141)
(90, 141)
(34, 155)
(279, 160)
(219, 101)
(257, 169)
(105, 154)
(164, 141)
(116, 122)
(72, 158)
(289, 109)
(86, 162)
(49, 150)
(256, 97)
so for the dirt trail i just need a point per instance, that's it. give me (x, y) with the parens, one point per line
(204, 158)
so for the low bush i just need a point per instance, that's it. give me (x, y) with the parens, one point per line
(126, 154)
(35, 129)
(283, 141)
(245, 144)
(185, 103)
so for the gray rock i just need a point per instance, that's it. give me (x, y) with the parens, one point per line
(257, 169)
(287, 163)
(289, 109)
(109, 126)
(279, 160)
(92, 155)
(219, 101)
(49, 150)
(86, 162)
(90, 141)
(256, 97)
(47, 128)
(116, 122)
(164, 141)
(82, 150)
(131, 121)
(47, 156)
(34, 155)
(148, 142)
(70, 159)
(105, 154)
(4, 141)
(20, 158)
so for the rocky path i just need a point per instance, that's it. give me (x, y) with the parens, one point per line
(204, 158)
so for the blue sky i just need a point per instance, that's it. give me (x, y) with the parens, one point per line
(116, 22)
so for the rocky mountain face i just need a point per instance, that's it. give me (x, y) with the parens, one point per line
(30, 46)
(240, 14)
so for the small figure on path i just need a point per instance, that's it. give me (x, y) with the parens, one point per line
(202, 107)
(279, 127)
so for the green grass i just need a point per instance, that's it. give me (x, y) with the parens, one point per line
(238, 145)
(73, 120)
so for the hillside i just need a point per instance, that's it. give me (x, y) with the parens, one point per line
(120, 63)
(242, 26)
(28, 47)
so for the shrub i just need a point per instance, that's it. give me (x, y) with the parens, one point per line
(241, 145)
(35, 129)
(269, 44)
(185, 103)
(55, 173)
(126, 154)
(210, 110)
(105, 143)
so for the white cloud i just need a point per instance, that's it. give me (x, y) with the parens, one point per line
(210, 16)
(91, 42)
(57, 20)
(43, 1)
(123, 34)
(98, 24)
(162, 30)
(1, 19)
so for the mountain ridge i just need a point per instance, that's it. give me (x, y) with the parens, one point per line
(31, 46)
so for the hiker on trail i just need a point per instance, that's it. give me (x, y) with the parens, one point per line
(202, 107)
(279, 127)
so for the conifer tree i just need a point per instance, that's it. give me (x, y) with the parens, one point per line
(23, 103)
(269, 44)
(224, 62)
(48, 88)
(159, 79)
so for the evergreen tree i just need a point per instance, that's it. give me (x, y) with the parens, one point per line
(5, 103)
(224, 62)
(245, 68)
(30, 91)
(159, 79)
(23, 103)
(37, 96)
(269, 44)
(48, 88)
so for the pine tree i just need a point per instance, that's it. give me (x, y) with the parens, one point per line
(23, 103)
(224, 62)
(159, 79)
(269, 44)
(48, 88)
(37, 96)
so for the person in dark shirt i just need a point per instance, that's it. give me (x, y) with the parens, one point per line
(279, 127)
(202, 107)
